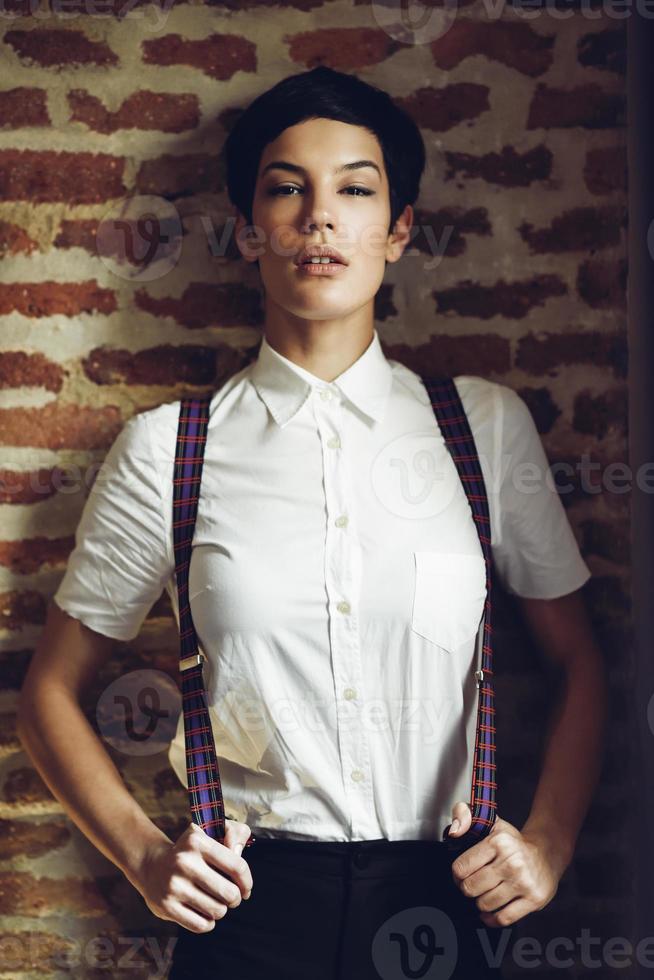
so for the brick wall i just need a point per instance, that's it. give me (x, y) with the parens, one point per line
(524, 122)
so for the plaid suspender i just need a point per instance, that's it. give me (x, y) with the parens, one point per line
(206, 798)
(204, 787)
(458, 437)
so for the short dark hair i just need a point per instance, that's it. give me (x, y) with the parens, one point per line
(324, 93)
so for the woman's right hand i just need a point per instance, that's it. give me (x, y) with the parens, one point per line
(186, 882)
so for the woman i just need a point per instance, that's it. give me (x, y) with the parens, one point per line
(337, 589)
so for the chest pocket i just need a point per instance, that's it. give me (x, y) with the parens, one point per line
(449, 597)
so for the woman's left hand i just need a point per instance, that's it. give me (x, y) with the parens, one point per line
(510, 872)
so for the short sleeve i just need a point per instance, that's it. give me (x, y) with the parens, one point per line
(121, 562)
(537, 555)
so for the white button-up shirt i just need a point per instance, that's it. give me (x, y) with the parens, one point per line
(337, 584)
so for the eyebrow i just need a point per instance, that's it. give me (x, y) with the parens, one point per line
(296, 169)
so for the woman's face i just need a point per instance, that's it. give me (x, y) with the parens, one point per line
(311, 201)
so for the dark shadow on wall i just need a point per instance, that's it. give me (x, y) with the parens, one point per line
(641, 451)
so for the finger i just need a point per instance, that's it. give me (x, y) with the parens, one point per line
(510, 913)
(495, 898)
(224, 882)
(202, 902)
(190, 919)
(461, 819)
(220, 887)
(236, 835)
(227, 862)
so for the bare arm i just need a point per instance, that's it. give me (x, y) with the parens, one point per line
(81, 774)
(513, 872)
(575, 741)
(67, 752)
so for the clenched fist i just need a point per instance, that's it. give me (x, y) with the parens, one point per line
(197, 879)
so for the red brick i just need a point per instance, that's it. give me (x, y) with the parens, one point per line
(577, 229)
(29, 555)
(606, 169)
(443, 109)
(575, 485)
(205, 304)
(56, 426)
(507, 168)
(586, 106)
(48, 177)
(446, 355)
(542, 406)
(512, 300)
(18, 609)
(161, 111)
(107, 8)
(515, 45)
(78, 233)
(218, 56)
(83, 233)
(605, 50)
(22, 838)
(540, 354)
(18, 369)
(608, 539)
(14, 240)
(603, 284)
(442, 233)
(595, 415)
(9, 740)
(37, 299)
(165, 782)
(295, 5)
(384, 307)
(22, 893)
(26, 951)
(20, 8)
(51, 47)
(13, 668)
(20, 107)
(33, 486)
(177, 176)
(164, 365)
(342, 48)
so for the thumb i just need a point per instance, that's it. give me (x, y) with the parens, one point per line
(461, 819)
(236, 834)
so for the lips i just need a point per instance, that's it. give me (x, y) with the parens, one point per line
(320, 251)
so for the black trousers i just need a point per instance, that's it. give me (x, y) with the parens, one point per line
(360, 910)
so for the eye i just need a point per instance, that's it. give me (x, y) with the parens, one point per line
(276, 191)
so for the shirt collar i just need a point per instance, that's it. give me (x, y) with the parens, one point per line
(284, 386)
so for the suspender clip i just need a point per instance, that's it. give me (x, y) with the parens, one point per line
(479, 674)
(192, 661)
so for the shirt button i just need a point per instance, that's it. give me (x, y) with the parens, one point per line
(325, 394)
(349, 693)
(343, 607)
(357, 775)
(341, 521)
(334, 443)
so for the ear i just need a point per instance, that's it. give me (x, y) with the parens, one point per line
(399, 238)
